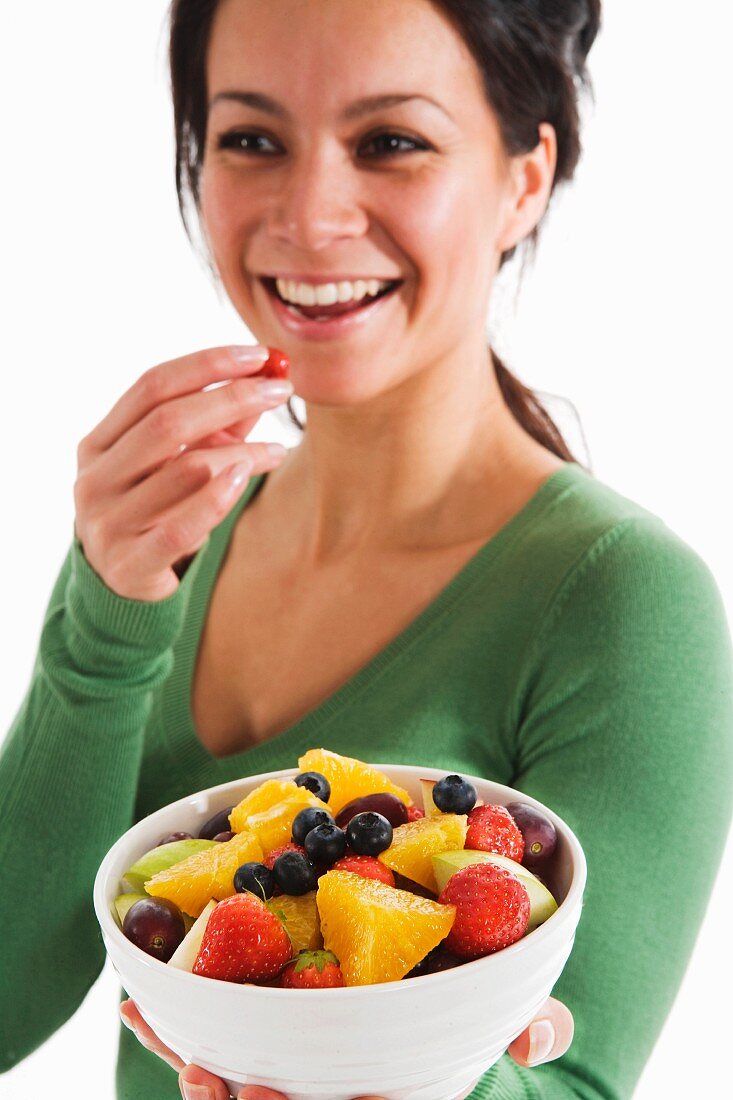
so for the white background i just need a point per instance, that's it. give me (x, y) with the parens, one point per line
(626, 313)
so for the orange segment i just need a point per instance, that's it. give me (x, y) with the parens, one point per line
(301, 919)
(378, 933)
(261, 798)
(274, 825)
(414, 844)
(349, 778)
(192, 883)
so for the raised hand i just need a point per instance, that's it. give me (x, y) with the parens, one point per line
(167, 464)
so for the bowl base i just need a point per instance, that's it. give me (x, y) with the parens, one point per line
(446, 1089)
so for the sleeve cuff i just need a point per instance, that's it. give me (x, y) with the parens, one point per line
(106, 619)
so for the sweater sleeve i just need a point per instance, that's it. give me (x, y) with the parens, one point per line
(68, 780)
(623, 723)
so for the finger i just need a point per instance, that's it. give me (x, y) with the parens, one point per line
(132, 1018)
(175, 482)
(159, 435)
(173, 379)
(547, 1037)
(197, 1077)
(182, 529)
(220, 438)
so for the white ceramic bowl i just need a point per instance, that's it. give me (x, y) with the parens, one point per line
(426, 1038)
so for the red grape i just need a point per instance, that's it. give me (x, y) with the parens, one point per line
(155, 925)
(540, 835)
(388, 805)
(173, 836)
(219, 823)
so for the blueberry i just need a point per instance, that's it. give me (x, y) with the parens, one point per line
(316, 783)
(454, 795)
(308, 819)
(369, 833)
(326, 843)
(256, 878)
(294, 874)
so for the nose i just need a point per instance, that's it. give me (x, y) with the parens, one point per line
(318, 203)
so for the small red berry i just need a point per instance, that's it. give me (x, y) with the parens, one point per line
(277, 365)
(312, 970)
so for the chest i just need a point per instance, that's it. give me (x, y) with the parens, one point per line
(276, 643)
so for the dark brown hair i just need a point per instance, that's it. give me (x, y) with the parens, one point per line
(532, 57)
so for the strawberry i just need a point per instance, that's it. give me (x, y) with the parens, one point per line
(269, 860)
(493, 829)
(312, 970)
(414, 813)
(492, 910)
(366, 866)
(277, 365)
(244, 941)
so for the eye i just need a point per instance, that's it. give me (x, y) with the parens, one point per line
(241, 141)
(244, 141)
(390, 139)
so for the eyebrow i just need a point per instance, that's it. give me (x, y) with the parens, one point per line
(356, 110)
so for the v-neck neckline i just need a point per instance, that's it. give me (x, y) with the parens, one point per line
(189, 750)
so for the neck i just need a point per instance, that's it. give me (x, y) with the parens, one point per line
(396, 472)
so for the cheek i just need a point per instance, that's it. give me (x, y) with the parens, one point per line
(220, 213)
(446, 225)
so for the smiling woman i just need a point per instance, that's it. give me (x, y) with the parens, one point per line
(436, 142)
(428, 578)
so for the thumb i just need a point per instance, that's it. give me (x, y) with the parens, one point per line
(547, 1037)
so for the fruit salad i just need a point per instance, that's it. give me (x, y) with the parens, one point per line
(334, 877)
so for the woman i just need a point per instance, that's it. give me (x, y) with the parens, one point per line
(439, 578)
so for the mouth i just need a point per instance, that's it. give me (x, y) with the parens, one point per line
(323, 314)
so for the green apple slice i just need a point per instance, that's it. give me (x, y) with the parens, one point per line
(123, 903)
(185, 954)
(542, 904)
(161, 858)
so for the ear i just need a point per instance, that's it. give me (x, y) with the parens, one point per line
(530, 182)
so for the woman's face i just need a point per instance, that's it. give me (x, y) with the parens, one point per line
(329, 188)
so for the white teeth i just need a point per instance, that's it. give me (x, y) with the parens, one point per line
(327, 294)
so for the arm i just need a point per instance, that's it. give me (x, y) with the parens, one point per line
(68, 781)
(623, 723)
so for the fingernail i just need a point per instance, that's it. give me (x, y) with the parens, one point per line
(274, 387)
(239, 473)
(541, 1041)
(125, 1020)
(189, 1091)
(276, 450)
(244, 354)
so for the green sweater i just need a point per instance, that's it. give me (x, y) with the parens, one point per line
(582, 655)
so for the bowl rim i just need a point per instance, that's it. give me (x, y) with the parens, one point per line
(110, 927)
